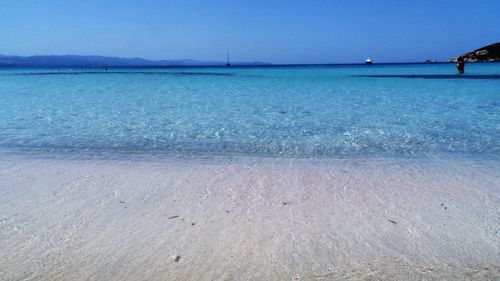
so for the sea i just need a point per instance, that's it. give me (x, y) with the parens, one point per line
(325, 172)
(309, 111)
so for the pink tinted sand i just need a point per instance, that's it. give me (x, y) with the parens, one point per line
(249, 219)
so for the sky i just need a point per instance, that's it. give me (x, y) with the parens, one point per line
(275, 31)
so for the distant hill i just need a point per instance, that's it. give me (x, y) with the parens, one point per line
(487, 53)
(101, 61)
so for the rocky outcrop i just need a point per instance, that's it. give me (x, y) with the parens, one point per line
(484, 54)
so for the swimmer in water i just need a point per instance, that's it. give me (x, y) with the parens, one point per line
(460, 64)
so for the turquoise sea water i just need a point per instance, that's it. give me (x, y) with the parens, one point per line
(299, 111)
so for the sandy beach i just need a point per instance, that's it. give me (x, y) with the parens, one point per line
(249, 219)
(283, 140)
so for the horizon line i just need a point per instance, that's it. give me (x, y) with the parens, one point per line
(214, 62)
(222, 65)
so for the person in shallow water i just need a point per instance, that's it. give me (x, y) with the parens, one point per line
(460, 64)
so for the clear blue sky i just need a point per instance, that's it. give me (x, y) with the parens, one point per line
(277, 31)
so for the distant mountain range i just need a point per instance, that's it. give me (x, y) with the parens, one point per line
(101, 61)
(486, 53)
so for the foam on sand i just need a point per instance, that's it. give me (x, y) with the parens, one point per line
(249, 219)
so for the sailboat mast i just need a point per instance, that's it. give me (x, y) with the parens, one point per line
(227, 63)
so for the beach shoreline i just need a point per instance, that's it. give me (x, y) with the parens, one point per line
(244, 218)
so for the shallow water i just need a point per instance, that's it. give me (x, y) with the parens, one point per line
(307, 111)
(264, 219)
(381, 172)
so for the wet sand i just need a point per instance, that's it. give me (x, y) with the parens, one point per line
(249, 219)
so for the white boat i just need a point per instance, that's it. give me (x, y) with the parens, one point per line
(368, 60)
